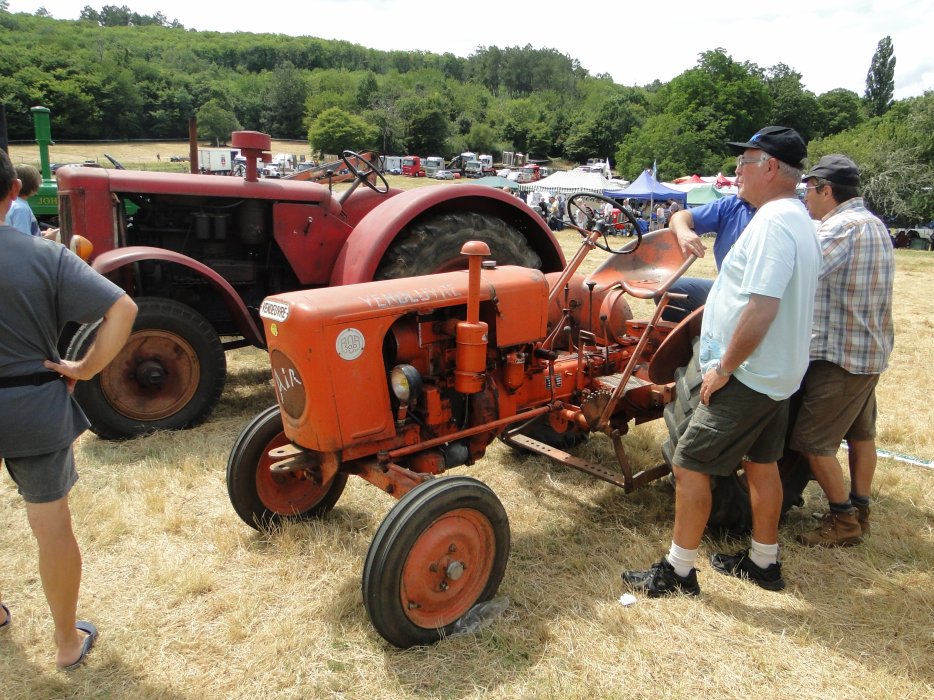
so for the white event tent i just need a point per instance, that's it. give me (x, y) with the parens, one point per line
(570, 181)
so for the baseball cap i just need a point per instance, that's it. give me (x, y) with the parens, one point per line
(835, 168)
(780, 142)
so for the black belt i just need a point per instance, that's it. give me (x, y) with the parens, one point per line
(37, 379)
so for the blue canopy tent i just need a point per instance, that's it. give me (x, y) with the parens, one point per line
(647, 187)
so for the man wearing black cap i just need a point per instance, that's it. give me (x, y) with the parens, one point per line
(753, 352)
(852, 339)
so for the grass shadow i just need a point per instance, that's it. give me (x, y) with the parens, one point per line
(103, 675)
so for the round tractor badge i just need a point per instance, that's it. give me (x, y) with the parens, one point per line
(350, 344)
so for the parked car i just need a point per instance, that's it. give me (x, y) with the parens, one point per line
(444, 175)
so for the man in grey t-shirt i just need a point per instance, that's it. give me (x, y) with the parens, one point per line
(43, 286)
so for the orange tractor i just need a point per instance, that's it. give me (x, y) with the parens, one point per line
(447, 363)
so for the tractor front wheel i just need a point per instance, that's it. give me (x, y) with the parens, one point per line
(261, 497)
(441, 550)
(168, 376)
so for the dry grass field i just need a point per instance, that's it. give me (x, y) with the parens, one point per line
(137, 155)
(192, 603)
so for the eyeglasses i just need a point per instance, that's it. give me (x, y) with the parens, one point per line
(813, 187)
(746, 160)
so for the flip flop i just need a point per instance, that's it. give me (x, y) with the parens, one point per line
(9, 617)
(86, 645)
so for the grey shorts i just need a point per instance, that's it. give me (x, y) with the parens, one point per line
(43, 478)
(835, 405)
(738, 425)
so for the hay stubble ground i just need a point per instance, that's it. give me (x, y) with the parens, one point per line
(192, 603)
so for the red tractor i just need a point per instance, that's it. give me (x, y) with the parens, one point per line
(199, 253)
(398, 381)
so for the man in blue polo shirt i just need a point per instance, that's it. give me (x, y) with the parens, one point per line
(727, 217)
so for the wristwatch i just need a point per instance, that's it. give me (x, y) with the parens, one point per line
(720, 371)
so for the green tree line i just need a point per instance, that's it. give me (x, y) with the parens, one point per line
(116, 75)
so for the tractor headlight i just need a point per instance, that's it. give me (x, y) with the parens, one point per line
(406, 383)
(81, 247)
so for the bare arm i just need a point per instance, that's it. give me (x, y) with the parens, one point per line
(111, 337)
(682, 223)
(753, 324)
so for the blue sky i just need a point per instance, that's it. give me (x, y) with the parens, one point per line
(830, 43)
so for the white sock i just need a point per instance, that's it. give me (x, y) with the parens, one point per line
(763, 555)
(681, 559)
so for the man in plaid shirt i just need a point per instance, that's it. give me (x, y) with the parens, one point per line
(851, 342)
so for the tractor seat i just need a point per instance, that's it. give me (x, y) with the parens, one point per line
(648, 272)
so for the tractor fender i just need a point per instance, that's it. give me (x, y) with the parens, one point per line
(360, 256)
(676, 349)
(113, 260)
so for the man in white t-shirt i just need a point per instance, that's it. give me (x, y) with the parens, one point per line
(754, 345)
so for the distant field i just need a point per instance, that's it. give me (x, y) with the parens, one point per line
(156, 155)
(135, 154)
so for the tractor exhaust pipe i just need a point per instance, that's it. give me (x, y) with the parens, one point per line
(252, 145)
(471, 335)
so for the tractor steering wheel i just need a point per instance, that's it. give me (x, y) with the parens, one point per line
(363, 174)
(114, 161)
(582, 209)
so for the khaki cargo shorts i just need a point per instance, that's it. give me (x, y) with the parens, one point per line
(738, 425)
(835, 405)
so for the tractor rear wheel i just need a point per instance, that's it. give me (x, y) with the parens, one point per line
(261, 497)
(441, 550)
(730, 511)
(168, 376)
(434, 245)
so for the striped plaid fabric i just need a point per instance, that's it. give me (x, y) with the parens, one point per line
(853, 309)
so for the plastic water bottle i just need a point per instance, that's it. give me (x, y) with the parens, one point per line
(479, 616)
